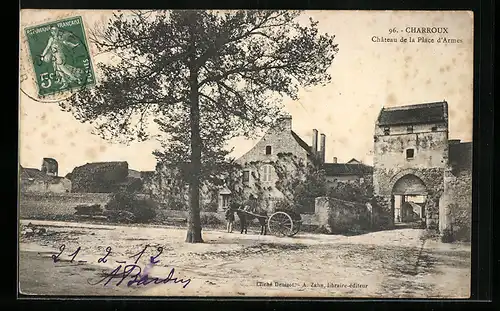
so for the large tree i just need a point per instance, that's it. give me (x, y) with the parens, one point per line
(197, 67)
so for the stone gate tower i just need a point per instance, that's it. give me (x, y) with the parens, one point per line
(410, 159)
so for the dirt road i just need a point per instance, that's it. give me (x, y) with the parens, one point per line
(395, 263)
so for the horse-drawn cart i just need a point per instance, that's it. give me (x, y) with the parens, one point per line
(281, 223)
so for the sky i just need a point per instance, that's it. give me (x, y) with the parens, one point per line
(366, 76)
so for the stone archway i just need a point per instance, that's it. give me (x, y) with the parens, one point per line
(408, 199)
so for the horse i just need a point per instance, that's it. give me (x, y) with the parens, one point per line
(245, 218)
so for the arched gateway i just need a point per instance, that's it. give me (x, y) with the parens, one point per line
(408, 198)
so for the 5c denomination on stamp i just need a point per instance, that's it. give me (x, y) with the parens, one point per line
(60, 57)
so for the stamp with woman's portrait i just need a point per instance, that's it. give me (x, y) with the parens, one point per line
(60, 57)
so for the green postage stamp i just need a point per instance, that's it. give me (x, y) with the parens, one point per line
(60, 56)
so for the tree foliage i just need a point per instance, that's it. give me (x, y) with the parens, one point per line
(352, 191)
(204, 76)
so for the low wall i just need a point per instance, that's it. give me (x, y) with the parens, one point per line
(39, 205)
(35, 205)
(169, 214)
(338, 216)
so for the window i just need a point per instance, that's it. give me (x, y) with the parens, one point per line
(410, 153)
(246, 176)
(387, 130)
(267, 172)
(409, 129)
(268, 149)
(434, 128)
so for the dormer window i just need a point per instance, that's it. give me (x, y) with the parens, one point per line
(434, 128)
(409, 129)
(387, 130)
(268, 149)
(410, 153)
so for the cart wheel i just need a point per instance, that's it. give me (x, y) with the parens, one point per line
(296, 229)
(280, 224)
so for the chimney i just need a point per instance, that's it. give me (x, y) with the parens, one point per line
(315, 142)
(285, 123)
(322, 148)
(334, 160)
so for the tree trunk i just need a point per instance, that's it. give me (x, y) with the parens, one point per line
(194, 223)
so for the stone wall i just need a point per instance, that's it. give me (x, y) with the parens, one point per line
(456, 204)
(54, 184)
(432, 179)
(39, 205)
(430, 149)
(338, 216)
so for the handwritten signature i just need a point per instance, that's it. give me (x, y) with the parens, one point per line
(141, 277)
(138, 278)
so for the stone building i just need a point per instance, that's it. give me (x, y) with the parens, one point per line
(351, 171)
(279, 156)
(412, 155)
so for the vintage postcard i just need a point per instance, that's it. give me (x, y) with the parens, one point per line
(252, 153)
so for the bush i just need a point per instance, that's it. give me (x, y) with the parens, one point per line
(210, 220)
(211, 207)
(352, 192)
(94, 209)
(382, 216)
(143, 210)
(177, 205)
(447, 236)
(307, 191)
(283, 205)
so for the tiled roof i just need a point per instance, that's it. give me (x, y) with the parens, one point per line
(413, 114)
(302, 143)
(335, 169)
